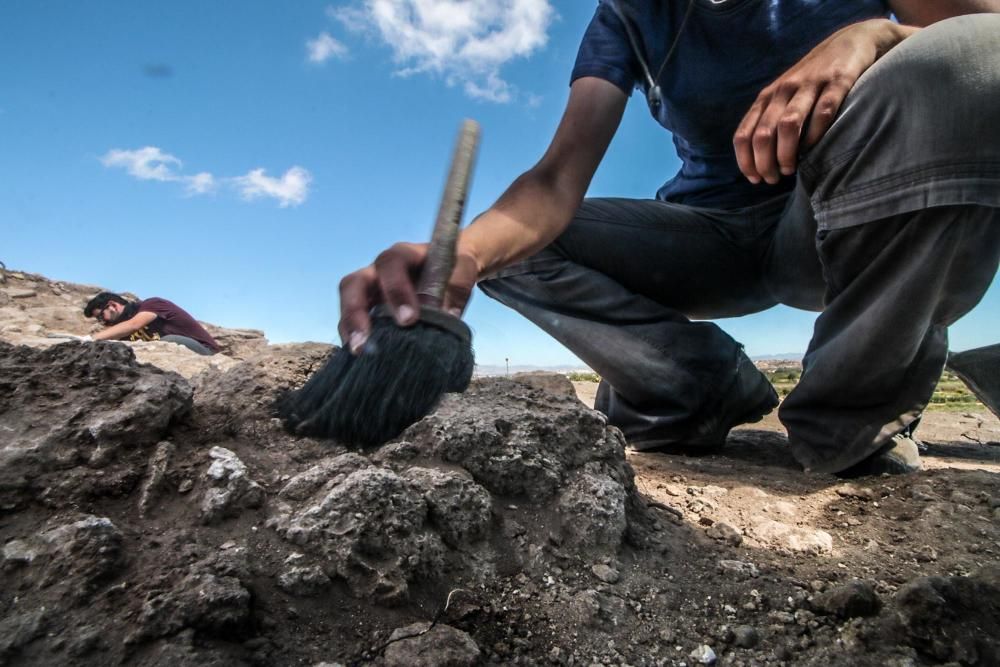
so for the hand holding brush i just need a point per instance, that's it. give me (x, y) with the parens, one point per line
(398, 373)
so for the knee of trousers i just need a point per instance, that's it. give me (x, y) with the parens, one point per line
(526, 279)
(510, 285)
(946, 72)
(926, 112)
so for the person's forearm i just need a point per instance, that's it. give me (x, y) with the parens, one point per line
(124, 329)
(540, 204)
(115, 332)
(532, 213)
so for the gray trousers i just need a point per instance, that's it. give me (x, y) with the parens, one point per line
(892, 232)
(189, 343)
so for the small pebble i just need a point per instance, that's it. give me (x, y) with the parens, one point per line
(607, 574)
(703, 655)
(745, 636)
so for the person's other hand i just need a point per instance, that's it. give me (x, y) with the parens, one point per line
(391, 279)
(795, 111)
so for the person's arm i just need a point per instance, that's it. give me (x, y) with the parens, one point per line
(529, 215)
(797, 109)
(540, 203)
(126, 328)
(923, 13)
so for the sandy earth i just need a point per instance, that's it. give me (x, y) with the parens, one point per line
(756, 455)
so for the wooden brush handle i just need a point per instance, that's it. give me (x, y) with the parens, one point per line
(441, 253)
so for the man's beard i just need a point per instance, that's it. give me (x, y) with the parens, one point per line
(128, 312)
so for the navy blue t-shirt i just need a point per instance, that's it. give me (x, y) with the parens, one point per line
(727, 52)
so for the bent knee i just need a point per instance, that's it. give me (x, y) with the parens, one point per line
(954, 62)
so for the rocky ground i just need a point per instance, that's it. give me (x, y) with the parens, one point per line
(157, 514)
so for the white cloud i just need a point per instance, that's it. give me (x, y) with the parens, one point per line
(200, 184)
(325, 47)
(146, 164)
(467, 42)
(153, 164)
(290, 190)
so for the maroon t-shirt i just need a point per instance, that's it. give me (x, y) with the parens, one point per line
(172, 320)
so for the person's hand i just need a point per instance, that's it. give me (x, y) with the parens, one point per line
(392, 280)
(795, 111)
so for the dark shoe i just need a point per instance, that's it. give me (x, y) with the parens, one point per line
(748, 400)
(899, 456)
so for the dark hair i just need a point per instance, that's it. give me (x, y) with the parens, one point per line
(100, 301)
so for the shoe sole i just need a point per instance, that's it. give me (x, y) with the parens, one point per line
(763, 408)
(892, 459)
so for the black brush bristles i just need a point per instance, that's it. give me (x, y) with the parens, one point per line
(401, 373)
(398, 379)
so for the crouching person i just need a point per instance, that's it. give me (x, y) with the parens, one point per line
(148, 319)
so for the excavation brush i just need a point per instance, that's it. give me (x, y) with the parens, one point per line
(402, 372)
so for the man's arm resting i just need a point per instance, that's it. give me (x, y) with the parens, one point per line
(126, 328)
(924, 12)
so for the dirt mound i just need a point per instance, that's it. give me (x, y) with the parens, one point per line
(151, 518)
(76, 418)
(123, 528)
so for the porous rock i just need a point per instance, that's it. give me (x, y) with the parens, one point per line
(738, 567)
(554, 383)
(155, 475)
(231, 490)
(177, 358)
(18, 630)
(723, 532)
(459, 508)
(76, 556)
(327, 473)
(592, 507)
(86, 640)
(371, 529)
(606, 573)
(584, 608)
(302, 578)
(205, 599)
(855, 598)
(74, 404)
(793, 538)
(237, 343)
(504, 458)
(954, 619)
(519, 441)
(419, 645)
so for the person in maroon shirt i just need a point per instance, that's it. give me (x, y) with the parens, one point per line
(148, 319)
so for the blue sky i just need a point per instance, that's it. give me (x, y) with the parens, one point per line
(240, 157)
